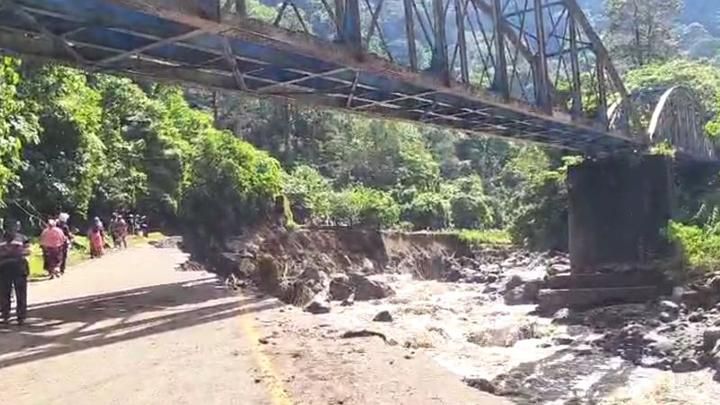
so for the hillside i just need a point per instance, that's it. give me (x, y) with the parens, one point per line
(706, 12)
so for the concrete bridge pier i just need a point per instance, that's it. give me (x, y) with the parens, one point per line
(618, 212)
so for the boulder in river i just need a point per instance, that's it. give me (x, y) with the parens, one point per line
(697, 316)
(669, 307)
(481, 384)
(367, 289)
(513, 282)
(383, 316)
(563, 340)
(686, 365)
(340, 288)
(522, 294)
(514, 296)
(667, 317)
(319, 305)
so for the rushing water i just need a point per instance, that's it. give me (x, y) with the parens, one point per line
(473, 335)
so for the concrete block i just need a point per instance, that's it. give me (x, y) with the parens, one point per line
(551, 300)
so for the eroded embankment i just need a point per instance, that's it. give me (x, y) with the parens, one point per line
(473, 311)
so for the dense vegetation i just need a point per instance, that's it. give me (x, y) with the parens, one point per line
(92, 143)
(89, 144)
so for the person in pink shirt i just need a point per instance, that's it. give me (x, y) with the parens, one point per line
(52, 242)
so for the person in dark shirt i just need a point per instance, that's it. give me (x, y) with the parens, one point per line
(132, 226)
(14, 271)
(144, 227)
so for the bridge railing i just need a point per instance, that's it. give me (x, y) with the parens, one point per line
(544, 53)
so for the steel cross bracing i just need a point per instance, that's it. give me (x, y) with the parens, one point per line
(530, 70)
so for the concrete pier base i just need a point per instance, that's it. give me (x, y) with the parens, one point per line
(618, 211)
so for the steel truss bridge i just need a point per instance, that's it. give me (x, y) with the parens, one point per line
(530, 70)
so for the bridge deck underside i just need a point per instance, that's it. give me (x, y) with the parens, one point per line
(104, 36)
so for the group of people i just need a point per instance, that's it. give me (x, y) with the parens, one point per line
(96, 234)
(120, 227)
(55, 241)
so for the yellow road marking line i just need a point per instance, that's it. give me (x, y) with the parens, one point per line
(272, 379)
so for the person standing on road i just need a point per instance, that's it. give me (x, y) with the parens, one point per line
(115, 230)
(64, 226)
(52, 242)
(144, 226)
(96, 234)
(122, 231)
(132, 224)
(14, 271)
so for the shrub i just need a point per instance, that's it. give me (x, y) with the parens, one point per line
(428, 210)
(473, 237)
(342, 211)
(309, 194)
(700, 247)
(364, 206)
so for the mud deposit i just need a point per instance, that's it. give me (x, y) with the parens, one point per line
(433, 296)
(508, 351)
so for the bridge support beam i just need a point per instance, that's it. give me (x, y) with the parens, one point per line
(618, 210)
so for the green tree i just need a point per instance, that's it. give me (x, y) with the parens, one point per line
(231, 184)
(381, 154)
(542, 221)
(64, 167)
(541, 200)
(17, 126)
(123, 181)
(642, 31)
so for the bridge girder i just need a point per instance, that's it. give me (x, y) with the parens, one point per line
(531, 70)
(522, 48)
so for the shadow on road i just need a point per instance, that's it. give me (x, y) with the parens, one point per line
(77, 324)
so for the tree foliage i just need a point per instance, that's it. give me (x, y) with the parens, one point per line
(381, 154)
(309, 193)
(90, 144)
(469, 205)
(17, 128)
(231, 184)
(64, 166)
(700, 246)
(363, 206)
(641, 31)
(429, 210)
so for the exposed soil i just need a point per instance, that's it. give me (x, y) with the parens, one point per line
(473, 312)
